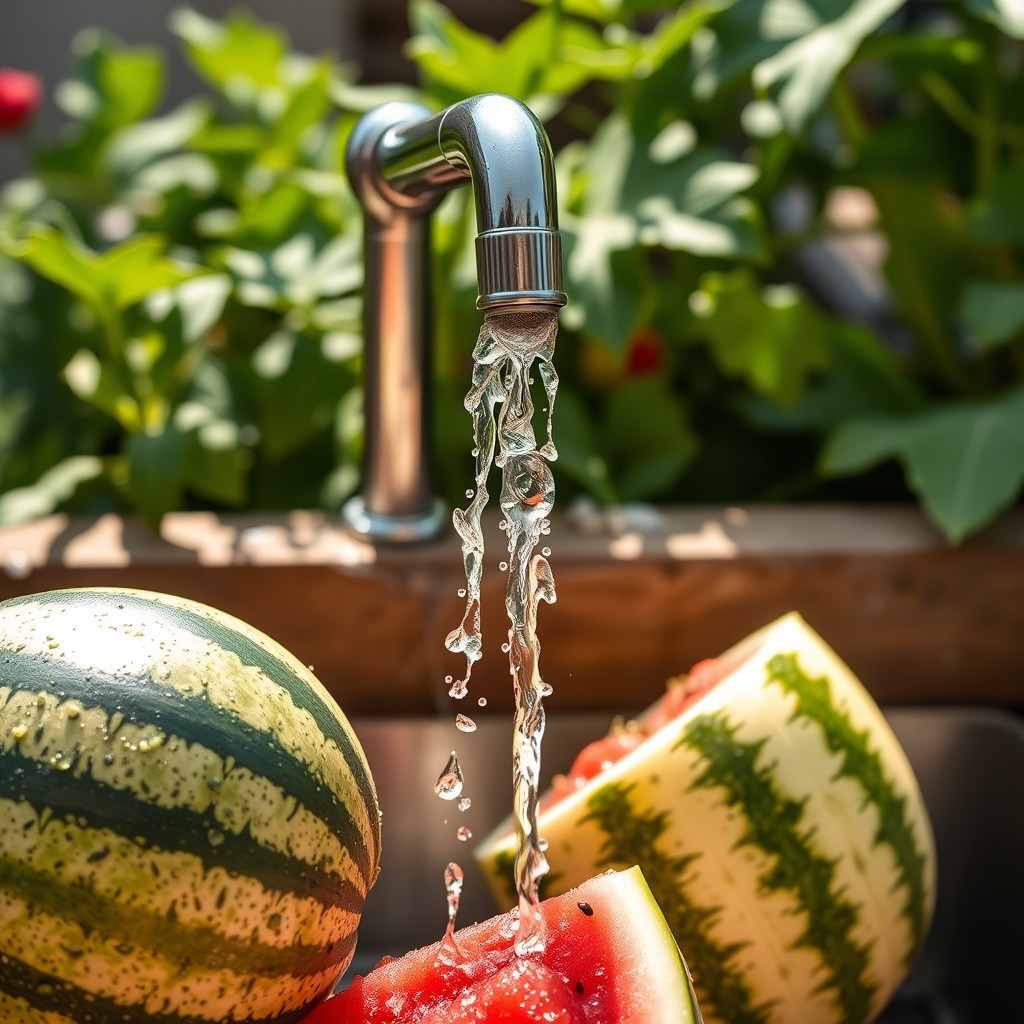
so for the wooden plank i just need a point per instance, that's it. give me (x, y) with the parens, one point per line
(640, 598)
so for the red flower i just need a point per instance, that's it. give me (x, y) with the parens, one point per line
(20, 93)
(645, 352)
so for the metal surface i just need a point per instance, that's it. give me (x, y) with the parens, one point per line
(970, 765)
(401, 160)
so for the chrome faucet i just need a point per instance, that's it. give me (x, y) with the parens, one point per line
(401, 160)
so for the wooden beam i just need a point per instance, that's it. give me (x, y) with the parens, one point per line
(641, 596)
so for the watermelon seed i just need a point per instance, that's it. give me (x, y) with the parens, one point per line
(579, 987)
(586, 908)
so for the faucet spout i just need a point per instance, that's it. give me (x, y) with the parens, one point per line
(401, 160)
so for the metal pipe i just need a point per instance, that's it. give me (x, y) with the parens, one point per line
(401, 160)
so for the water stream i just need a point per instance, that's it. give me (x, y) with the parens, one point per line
(500, 401)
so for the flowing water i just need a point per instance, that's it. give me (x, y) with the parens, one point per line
(500, 402)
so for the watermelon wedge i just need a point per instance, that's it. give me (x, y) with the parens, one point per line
(777, 821)
(609, 959)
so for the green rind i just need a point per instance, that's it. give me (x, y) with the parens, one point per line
(190, 720)
(251, 647)
(773, 824)
(46, 993)
(632, 837)
(814, 702)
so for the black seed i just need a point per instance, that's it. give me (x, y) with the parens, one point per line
(97, 855)
(579, 987)
(586, 908)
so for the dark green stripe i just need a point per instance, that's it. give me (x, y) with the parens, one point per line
(864, 766)
(198, 945)
(68, 795)
(191, 719)
(632, 838)
(773, 823)
(45, 993)
(249, 652)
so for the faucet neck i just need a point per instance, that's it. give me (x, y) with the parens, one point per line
(401, 160)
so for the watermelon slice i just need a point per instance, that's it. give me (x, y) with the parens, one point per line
(778, 823)
(609, 959)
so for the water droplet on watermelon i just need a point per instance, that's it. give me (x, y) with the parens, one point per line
(19, 731)
(215, 837)
(61, 761)
(464, 723)
(450, 782)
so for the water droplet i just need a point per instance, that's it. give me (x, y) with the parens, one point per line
(542, 844)
(450, 782)
(546, 690)
(482, 701)
(461, 591)
(465, 803)
(474, 452)
(44, 988)
(505, 648)
(458, 689)
(464, 723)
(503, 566)
(546, 552)
(214, 782)
(503, 525)
(61, 761)
(19, 731)
(108, 758)
(464, 833)
(469, 492)
(215, 837)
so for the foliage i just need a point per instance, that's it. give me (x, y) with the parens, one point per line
(793, 250)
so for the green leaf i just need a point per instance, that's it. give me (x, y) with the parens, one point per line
(997, 213)
(239, 55)
(580, 456)
(993, 312)
(648, 437)
(799, 77)
(114, 85)
(216, 463)
(55, 487)
(102, 386)
(458, 62)
(965, 460)
(131, 148)
(771, 337)
(156, 472)
(109, 282)
(200, 302)
(1006, 15)
(297, 387)
(862, 378)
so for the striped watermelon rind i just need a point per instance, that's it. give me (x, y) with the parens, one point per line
(188, 825)
(781, 829)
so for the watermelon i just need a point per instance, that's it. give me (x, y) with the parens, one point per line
(777, 821)
(609, 959)
(188, 825)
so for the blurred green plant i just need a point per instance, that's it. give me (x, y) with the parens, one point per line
(793, 230)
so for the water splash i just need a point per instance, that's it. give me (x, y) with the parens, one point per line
(453, 877)
(501, 405)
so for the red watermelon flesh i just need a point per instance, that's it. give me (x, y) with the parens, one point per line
(609, 959)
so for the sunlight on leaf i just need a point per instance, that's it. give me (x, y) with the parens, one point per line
(965, 461)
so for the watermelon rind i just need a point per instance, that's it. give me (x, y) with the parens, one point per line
(188, 824)
(781, 830)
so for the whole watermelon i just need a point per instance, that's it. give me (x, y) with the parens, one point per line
(777, 822)
(188, 825)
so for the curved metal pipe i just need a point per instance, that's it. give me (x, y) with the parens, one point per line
(401, 160)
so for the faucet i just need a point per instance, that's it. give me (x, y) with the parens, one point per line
(401, 160)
